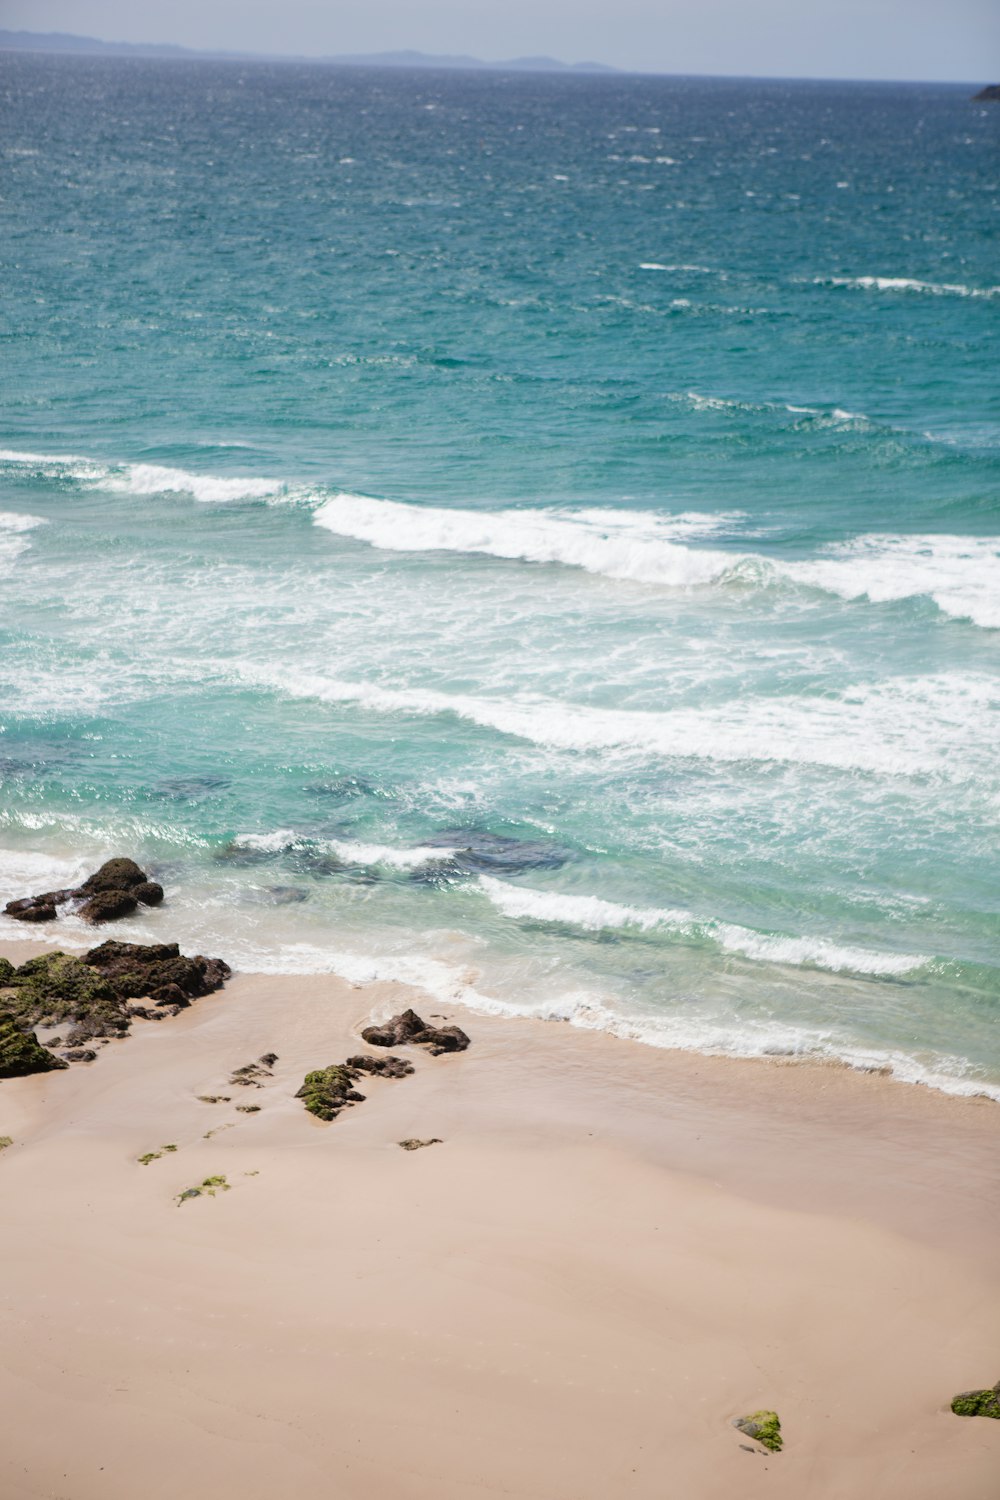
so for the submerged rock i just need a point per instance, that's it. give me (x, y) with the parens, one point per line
(409, 1028)
(31, 909)
(22, 1053)
(474, 851)
(978, 1403)
(764, 1427)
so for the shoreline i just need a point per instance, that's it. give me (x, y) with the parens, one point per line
(613, 1252)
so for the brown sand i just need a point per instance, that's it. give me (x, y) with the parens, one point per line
(614, 1251)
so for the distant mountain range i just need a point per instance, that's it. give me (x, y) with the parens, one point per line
(59, 41)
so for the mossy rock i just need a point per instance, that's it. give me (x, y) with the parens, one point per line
(978, 1403)
(22, 1053)
(7, 972)
(326, 1091)
(56, 987)
(764, 1427)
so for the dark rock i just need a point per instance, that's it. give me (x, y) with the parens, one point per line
(978, 1403)
(56, 987)
(248, 1109)
(59, 898)
(409, 1028)
(29, 909)
(107, 906)
(990, 94)
(251, 1073)
(169, 994)
(7, 972)
(764, 1427)
(21, 1052)
(136, 969)
(80, 1054)
(412, 1144)
(268, 1059)
(114, 875)
(384, 1067)
(148, 893)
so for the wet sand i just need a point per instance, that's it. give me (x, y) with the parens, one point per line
(612, 1252)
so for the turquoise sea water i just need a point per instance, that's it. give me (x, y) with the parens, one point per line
(535, 536)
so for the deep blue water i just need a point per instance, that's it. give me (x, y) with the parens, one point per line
(537, 536)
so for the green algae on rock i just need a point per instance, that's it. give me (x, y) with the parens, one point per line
(207, 1188)
(978, 1403)
(764, 1427)
(22, 1053)
(5, 1141)
(412, 1143)
(326, 1091)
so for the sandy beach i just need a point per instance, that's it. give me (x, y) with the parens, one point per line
(611, 1253)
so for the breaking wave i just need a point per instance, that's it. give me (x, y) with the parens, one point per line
(593, 914)
(932, 725)
(907, 284)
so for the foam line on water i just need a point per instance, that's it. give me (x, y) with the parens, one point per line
(619, 544)
(907, 284)
(934, 725)
(593, 914)
(352, 852)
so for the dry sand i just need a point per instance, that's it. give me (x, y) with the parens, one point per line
(613, 1252)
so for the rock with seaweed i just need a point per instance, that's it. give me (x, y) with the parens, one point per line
(207, 1188)
(978, 1403)
(764, 1427)
(409, 1028)
(412, 1143)
(383, 1067)
(326, 1091)
(22, 1053)
(93, 992)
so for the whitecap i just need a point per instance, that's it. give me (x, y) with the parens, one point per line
(594, 914)
(907, 284)
(350, 851)
(932, 725)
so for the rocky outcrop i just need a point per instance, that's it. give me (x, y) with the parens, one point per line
(22, 1053)
(327, 1091)
(764, 1427)
(409, 1028)
(93, 993)
(978, 1403)
(115, 890)
(252, 1074)
(990, 94)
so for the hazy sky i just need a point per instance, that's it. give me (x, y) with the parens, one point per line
(926, 39)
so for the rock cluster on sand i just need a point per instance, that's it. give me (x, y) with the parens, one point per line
(93, 993)
(978, 1403)
(115, 890)
(326, 1091)
(409, 1028)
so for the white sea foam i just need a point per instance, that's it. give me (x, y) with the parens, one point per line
(593, 914)
(152, 479)
(907, 284)
(348, 850)
(620, 544)
(147, 479)
(933, 725)
(960, 574)
(13, 535)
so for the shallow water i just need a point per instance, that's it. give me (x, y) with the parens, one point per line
(534, 536)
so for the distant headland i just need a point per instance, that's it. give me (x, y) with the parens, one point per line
(64, 42)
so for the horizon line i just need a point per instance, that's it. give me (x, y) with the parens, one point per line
(423, 61)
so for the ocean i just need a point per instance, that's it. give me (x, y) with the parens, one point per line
(532, 536)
